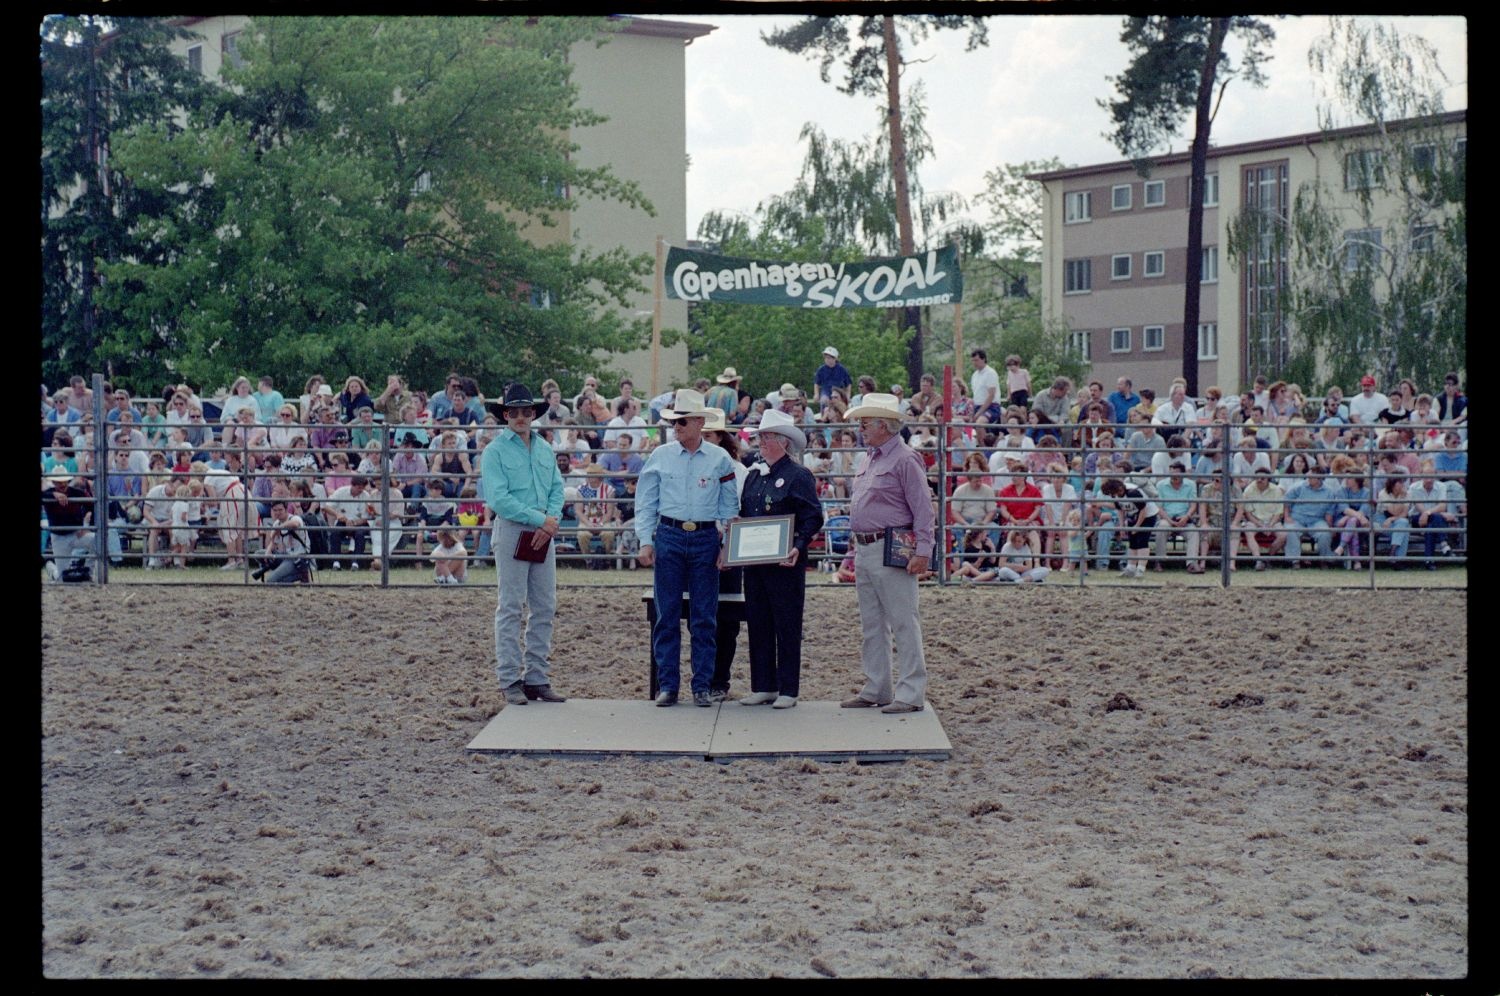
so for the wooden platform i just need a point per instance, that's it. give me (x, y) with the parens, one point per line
(725, 732)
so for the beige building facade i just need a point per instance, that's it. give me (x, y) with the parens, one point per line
(1114, 260)
(638, 82)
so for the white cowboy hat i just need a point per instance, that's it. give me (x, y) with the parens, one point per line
(780, 422)
(729, 376)
(875, 406)
(713, 418)
(789, 392)
(687, 404)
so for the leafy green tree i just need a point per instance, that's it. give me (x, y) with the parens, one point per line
(1002, 311)
(1379, 284)
(849, 187)
(872, 61)
(100, 79)
(370, 195)
(1175, 64)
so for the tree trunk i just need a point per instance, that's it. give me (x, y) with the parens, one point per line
(1203, 122)
(911, 318)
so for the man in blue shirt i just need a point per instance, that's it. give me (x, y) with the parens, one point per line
(1309, 511)
(685, 495)
(1122, 399)
(830, 375)
(622, 458)
(524, 489)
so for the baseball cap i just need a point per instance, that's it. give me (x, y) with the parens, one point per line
(1367, 381)
(830, 351)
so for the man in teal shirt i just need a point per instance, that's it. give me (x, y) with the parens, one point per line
(1178, 498)
(524, 489)
(685, 496)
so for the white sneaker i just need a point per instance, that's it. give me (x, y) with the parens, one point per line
(337, 566)
(784, 702)
(354, 566)
(228, 567)
(761, 698)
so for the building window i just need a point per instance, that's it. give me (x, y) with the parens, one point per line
(1361, 247)
(1078, 343)
(1265, 337)
(1423, 238)
(1119, 197)
(1119, 267)
(195, 58)
(1210, 265)
(1424, 159)
(1154, 193)
(231, 50)
(1076, 206)
(1077, 276)
(1210, 190)
(1364, 170)
(1154, 264)
(540, 298)
(1154, 338)
(1208, 341)
(1119, 340)
(422, 183)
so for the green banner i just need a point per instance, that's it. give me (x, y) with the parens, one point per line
(900, 282)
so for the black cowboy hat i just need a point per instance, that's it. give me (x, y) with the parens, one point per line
(516, 396)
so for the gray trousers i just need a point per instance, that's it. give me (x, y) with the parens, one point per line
(888, 608)
(522, 583)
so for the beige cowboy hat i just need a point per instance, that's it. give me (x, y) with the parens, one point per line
(688, 403)
(875, 406)
(713, 418)
(779, 422)
(789, 392)
(729, 376)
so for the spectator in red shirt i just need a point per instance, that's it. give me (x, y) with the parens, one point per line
(1021, 507)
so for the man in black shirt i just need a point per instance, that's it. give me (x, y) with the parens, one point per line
(68, 508)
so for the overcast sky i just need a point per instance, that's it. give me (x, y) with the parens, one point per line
(1031, 93)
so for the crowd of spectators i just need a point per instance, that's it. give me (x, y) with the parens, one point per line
(1035, 481)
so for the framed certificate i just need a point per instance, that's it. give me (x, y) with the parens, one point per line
(764, 540)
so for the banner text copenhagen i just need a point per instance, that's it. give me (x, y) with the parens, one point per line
(932, 277)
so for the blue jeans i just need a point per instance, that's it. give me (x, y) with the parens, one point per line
(1400, 530)
(1322, 536)
(1433, 534)
(535, 586)
(685, 562)
(1104, 536)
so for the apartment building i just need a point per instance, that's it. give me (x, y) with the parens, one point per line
(1114, 261)
(638, 82)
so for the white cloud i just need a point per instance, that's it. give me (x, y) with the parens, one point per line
(1032, 93)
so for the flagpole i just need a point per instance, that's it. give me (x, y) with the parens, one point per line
(661, 242)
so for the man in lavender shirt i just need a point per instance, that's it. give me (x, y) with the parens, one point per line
(891, 490)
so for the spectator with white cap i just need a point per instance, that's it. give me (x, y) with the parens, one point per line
(724, 395)
(831, 374)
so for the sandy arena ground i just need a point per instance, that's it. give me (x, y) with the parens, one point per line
(274, 783)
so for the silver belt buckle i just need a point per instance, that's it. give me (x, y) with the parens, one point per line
(688, 527)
